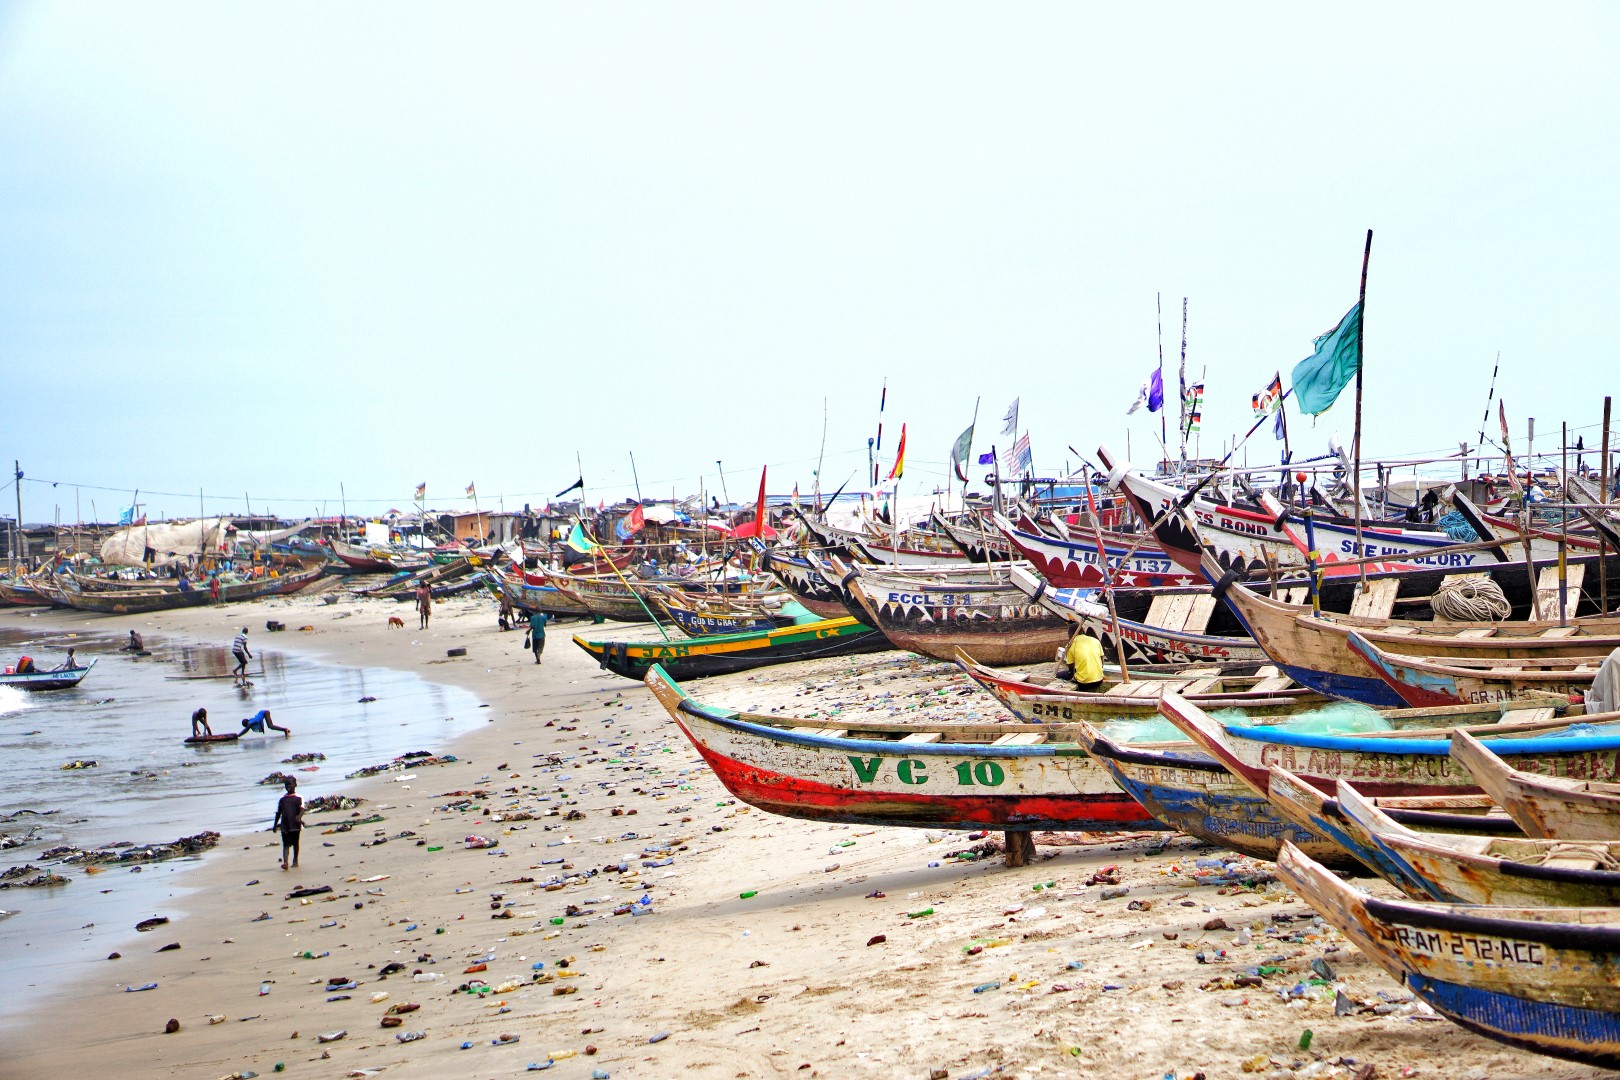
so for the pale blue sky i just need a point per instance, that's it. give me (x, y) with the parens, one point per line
(268, 249)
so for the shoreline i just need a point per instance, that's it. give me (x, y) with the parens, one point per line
(789, 980)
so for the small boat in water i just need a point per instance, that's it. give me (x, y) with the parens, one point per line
(57, 679)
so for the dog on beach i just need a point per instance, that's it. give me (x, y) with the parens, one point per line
(396, 621)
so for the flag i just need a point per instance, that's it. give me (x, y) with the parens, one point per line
(987, 459)
(580, 542)
(795, 494)
(1319, 378)
(1151, 394)
(1279, 429)
(1009, 423)
(960, 451)
(1019, 458)
(421, 491)
(1270, 397)
(1507, 454)
(127, 517)
(472, 491)
(895, 473)
(580, 484)
(759, 527)
(1194, 400)
(637, 520)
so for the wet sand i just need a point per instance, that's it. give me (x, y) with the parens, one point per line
(786, 982)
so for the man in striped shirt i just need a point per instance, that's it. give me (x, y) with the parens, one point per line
(239, 649)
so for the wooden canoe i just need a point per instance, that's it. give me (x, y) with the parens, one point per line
(948, 776)
(693, 658)
(1489, 870)
(1075, 564)
(1421, 681)
(58, 679)
(1194, 794)
(1547, 980)
(290, 578)
(807, 584)
(936, 616)
(1412, 760)
(547, 598)
(1561, 807)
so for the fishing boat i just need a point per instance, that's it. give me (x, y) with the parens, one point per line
(1538, 978)
(287, 578)
(947, 776)
(979, 544)
(1311, 644)
(377, 559)
(56, 679)
(608, 595)
(697, 657)
(1453, 680)
(1490, 870)
(547, 598)
(698, 617)
(1258, 691)
(1413, 758)
(1184, 625)
(1565, 807)
(1134, 561)
(1192, 793)
(935, 615)
(806, 583)
(20, 592)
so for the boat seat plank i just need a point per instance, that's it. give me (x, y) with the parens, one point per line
(1122, 690)
(1198, 614)
(1264, 671)
(1547, 591)
(1478, 632)
(1401, 630)
(1520, 716)
(1296, 595)
(1023, 738)
(1377, 600)
(1200, 686)
(831, 732)
(1560, 632)
(923, 737)
(1275, 682)
(1168, 612)
(1571, 862)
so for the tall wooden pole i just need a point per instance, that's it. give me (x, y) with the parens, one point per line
(1563, 528)
(1603, 547)
(1361, 340)
(17, 537)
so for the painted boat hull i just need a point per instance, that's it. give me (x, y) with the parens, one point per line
(132, 601)
(1544, 806)
(700, 657)
(1547, 980)
(995, 622)
(872, 782)
(1075, 564)
(1420, 682)
(48, 680)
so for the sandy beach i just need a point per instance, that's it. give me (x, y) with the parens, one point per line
(767, 947)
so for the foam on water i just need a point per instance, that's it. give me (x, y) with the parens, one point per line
(13, 700)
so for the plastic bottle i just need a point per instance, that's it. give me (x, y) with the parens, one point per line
(427, 976)
(919, 914)
(264, 988)
(748, 895)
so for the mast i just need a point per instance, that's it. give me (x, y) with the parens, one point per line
(1361, 340)
(1183, 383)
(1164, 431)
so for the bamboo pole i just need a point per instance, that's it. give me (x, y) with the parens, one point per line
(1563, 528)
(1108, 579)
(1603, 545)
(1361, 342)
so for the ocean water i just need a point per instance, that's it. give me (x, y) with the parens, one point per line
(130, 716)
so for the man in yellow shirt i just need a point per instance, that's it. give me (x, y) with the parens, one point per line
(1085, 659)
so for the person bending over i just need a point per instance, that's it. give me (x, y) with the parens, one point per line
(199, 725)
(259, 721)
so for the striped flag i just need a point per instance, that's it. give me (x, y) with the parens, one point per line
(1267, 399)
(1195, 408)
(1019, 458)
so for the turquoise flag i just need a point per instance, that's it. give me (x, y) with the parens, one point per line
(579, 543)
(1318, 380)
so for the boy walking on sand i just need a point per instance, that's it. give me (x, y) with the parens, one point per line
(290, 820)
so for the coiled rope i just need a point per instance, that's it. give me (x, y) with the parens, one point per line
(1598, 852)
(1457, 528)
(1471, 600)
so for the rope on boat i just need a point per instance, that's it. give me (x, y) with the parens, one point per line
(1600, 853)
(1456, 526)
(1471, 600)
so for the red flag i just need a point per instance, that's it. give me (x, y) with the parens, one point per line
(899, 457)
(757, 527)
(637, 520)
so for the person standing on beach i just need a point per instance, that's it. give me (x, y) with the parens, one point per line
(424, 603)
(213, 589)
(290, 820)
(537, 632)
(239, 649)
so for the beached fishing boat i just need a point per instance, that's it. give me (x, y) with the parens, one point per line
(1414, 758)
(287, 578)
(55, 679)
(547, 598)
(1159, 626)
(1258, 691)
(1538, 978)
(947, 776)
(693, 658)
(1134, 561)
(375, 559)
(1565, 807)
(1192, 793)
(1490, 870)
(608, 596)
(806, 583)
(979, 544)
(20, 592)
(935, 615)
(698, 617)
(1453, 680)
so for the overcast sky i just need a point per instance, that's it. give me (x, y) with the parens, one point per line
(263, 251)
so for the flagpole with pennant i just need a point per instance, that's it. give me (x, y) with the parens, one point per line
(1361, 304)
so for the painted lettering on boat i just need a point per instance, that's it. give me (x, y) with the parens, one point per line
(914, 773)
(1469, 946)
